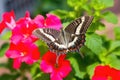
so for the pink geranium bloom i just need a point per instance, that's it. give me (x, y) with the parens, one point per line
(23, 31)
(57, 71)
(51, 21)
(23, 52)
(106, 73)
(7, 21)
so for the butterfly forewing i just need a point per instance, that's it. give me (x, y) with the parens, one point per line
(86, 24)
(46, 34)
(79, 25)
(77, 29)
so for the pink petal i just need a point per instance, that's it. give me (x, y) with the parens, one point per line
(39, 20)
(11, 25)
(12, 54)
(45, 67)
(28, 60)
(17, 63)
(16, 38)
(53, 21)
(55, 76)
(7, 16)
(9, 19)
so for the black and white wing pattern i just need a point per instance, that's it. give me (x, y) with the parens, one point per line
(69, 39)
(46, 34)
(77, 29)
(79, 25)
(53, 39)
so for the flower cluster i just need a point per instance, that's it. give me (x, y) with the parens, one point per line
(106, 73)
(23, 49)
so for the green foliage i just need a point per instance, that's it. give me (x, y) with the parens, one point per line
(3, 49)
(117, 33)
(6, 35)
(94, 43)
(75, 66)
(90, 69)
(98, 49)
(110, 17)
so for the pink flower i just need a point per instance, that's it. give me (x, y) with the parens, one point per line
(23, 52)
(51, 21)
(8, 21)
(106, 73)
(23, 31)
(57, 71)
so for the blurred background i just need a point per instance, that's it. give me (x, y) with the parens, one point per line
(42, 7)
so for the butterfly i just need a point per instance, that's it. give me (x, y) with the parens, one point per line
(66, 40)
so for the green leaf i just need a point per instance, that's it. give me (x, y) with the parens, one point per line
(75, 65)
(90, 69)
(70, 76)
(110, 17)
(93, 27)
(42, 46)
(117, 32)
(96, 26)
(61, 13)
(94, 42)
(72, 3)
(101, 26)
(38, 75)
(34, 69)
(107, 3)
(113, 61)
(116, 52)
(65, 24)
(97, 5)
(6, 35)
(3, 49)
(114, 45)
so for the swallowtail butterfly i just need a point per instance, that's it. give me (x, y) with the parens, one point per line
(68, 40)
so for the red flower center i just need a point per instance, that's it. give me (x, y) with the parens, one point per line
(56, 65)
(109, 78)
(23, 53)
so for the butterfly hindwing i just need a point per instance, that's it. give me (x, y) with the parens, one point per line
(76, 42)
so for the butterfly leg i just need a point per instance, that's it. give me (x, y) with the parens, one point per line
(80, 53)
(57, 58)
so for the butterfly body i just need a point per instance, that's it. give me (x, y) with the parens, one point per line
(68, 40)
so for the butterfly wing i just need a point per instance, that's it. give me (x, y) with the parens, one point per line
(77, 29)
(52, 37)
(79, 26)
(55, 39)
(46, 34)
